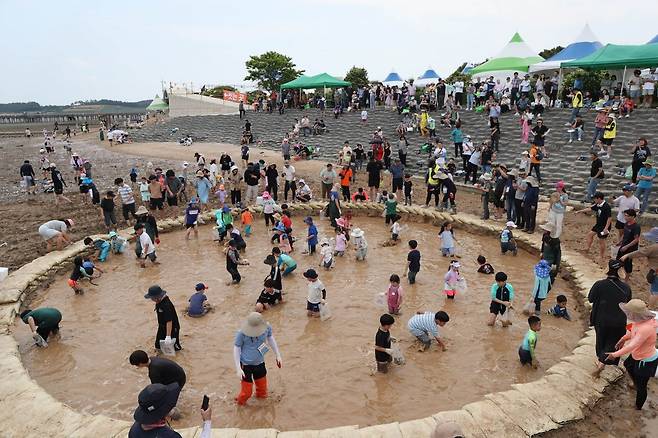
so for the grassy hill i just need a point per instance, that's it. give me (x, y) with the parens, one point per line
(104, 106)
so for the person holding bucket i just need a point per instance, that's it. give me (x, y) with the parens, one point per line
(252, 342)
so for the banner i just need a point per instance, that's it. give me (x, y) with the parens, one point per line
(235, 96)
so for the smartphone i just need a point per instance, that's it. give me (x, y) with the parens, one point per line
(204, 404)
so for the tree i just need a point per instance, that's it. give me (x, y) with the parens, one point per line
(457, 75)
(270, 70)
(591, 80)
(547, 53)
(358, 76)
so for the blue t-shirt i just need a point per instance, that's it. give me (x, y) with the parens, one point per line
(642, 183)
(196, 303)
(457, 135)
(447, 240)
(250, 353)
(191, 215)
(505, 236)
(313, 231)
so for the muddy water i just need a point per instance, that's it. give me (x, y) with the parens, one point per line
(328, 376)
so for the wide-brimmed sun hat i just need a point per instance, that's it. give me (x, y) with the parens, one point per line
(310, 273)
(154, 292)
(636, 310)
(510, 224)
(141, 210)
(357, 232)
(155, 402)
(254, 325)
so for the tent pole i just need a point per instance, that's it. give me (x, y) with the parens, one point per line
(623, 81)
(559, 85)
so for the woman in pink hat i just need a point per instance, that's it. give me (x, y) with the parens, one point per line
(268, 209)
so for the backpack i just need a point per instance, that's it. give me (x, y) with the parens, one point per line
(539, 156)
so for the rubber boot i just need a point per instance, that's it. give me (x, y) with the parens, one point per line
(245, 392)
(261, 387)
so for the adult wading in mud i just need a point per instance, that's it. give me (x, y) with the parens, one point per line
(146, 219)
(252, 342)
(607, 317)
(168, 325)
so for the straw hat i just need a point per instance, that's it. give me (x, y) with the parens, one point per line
(254, 325)
(141, 210)
(636, 310)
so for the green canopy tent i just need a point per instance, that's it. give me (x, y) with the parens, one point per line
(615, 56)
(516, 56)
(323, 80)
(157, 104)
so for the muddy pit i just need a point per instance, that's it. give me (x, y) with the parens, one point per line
(328, 376)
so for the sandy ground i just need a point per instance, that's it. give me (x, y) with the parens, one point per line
(20, 218)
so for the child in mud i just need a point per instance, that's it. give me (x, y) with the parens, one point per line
(451, 278)
(560, 308)
(317, 294)
(268, 297)
(390, 205)
(527, 348)
(424, 326)
(413, 261)
(191, 218)
(485, 268)
(233, 260)
(396, 228)
(247, 219)
(326, 254)
(408, 189)
(148, 248)
(360, 243)
(383, 352)
(502, 295)
(448, 240)
(312, 235)
(199, 305)
(102, 246)
(341, 242)
(394, 295)
(76, 275)
(507, 242)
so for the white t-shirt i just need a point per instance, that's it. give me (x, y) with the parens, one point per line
(634, 83)
(395, 228)
(459, 87)
(315, 289)
(144, 240)
(623, 203)
(289, 173)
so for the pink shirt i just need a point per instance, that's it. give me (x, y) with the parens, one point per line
(640, 341)
(341, 242)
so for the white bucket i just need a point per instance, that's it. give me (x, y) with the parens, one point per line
(4, 272)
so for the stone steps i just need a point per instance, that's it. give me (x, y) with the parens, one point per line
(561, 163)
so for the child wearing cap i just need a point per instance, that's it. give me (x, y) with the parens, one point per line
(527, 348)
(383, 352)
(199, 305)
(394, 295)
(246, 218)
(447, 236)
(507, 242)
(326, 254)
(268, 297)
(317, 294)
(451, 278)
(191, 217)
(560, 308)
(502, 295)
(312, 235)
(360, 243)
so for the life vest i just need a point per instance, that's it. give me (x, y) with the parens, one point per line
(610, 130)
(577, 101)
(432, 176)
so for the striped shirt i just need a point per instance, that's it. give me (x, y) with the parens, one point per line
(424, 323)
(126, 194)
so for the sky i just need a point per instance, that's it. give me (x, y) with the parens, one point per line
(58, 52)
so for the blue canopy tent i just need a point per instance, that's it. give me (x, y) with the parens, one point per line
(586, 44)
(429, 77)
(653, 40)
(393, 79)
